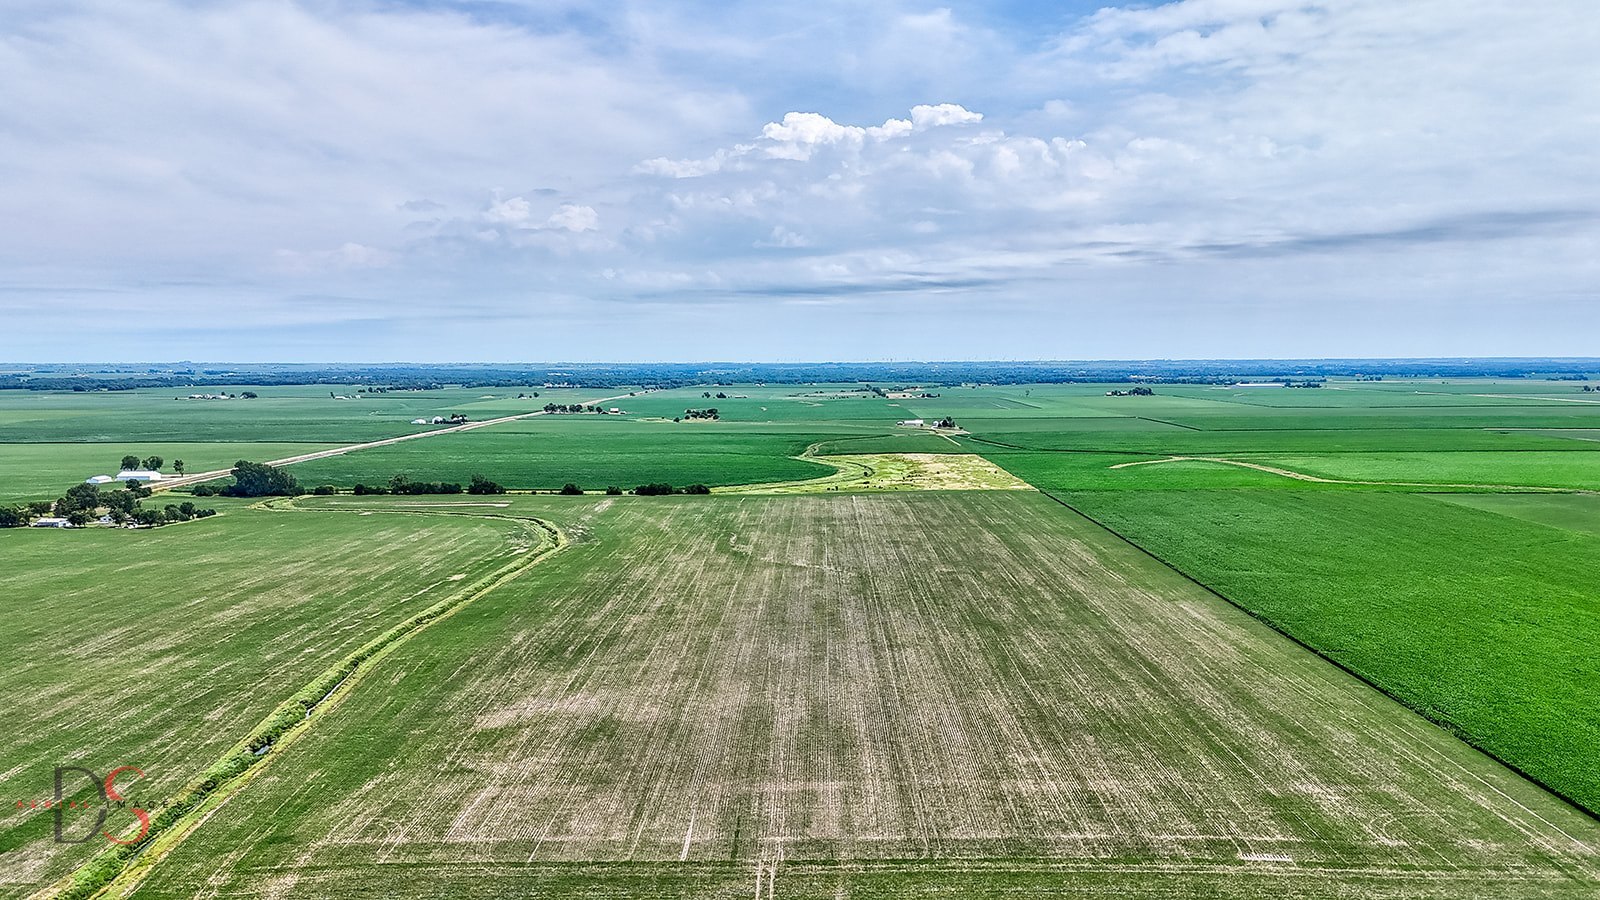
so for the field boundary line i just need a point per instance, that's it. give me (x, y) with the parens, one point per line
(1447, 727)
(120, 869)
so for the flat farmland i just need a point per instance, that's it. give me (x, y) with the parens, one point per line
(280, 414)
(974, 694)
(45, 471)
(1484, 622)
(1576, 469)
(591, 451)
(163, 648)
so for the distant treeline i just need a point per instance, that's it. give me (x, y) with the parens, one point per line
(383, 378)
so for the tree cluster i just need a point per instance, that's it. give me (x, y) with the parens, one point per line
(710, 413)
(253, 479)
(82, 504)
(482, 485)
(1132, 392)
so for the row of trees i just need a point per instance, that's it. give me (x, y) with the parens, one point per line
(252, 479)
(661, 488)
(710, 413)
(559, 408)
(400, 484)
(153, 463)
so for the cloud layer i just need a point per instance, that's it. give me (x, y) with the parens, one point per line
(1198, 178)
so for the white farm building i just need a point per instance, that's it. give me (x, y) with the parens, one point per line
(99, 479)
(138, 475)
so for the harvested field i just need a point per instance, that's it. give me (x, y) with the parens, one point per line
(956, 694)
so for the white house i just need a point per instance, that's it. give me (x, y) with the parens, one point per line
(913, 423)
(99, 479)
(51, 522)
(138, 475)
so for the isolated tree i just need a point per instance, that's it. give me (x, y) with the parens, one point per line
(571, 489)
(153, 463)
(130, 462)
(177, 466)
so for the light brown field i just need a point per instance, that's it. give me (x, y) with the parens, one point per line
(897, 472)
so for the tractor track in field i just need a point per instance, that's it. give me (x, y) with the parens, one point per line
(1318, 479)
(198, 477)
(117, 871)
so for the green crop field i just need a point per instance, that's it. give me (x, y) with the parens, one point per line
(591, 451)
(1240, 642)
(44, 471)
(810, 690)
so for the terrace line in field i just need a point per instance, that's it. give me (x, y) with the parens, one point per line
(898, 472)
(874, 695)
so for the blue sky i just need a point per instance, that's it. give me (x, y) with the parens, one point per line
(520, 180)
